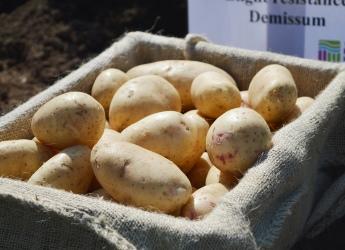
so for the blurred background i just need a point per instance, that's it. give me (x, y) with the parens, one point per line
(43, 40)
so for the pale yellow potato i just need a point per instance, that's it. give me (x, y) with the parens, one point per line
(213, 93)
(203, 201)
(140, 97)
(197, 176)
(69, 119)
(69, 170)
(202, 127)
(109, 136)
(136, 176)
(106, 125)
(196, 113)
(101, 194)
(21, 158)
(106, 84)
(244, 99)
(228, 179)
(179, 73)
(272, 93)
(167, 133)
(236, 139)
(302, 104)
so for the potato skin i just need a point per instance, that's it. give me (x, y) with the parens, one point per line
(69, 119)
(236, 138)
(228, 179)
(140, 97)
(213, 94)
(69, 170)
(180, 73)
(197, 175)
(302, 104)
(202, 127)
(21, 158)
(106, 84)
(135, 176)
(167, 133)
(244, 98)
(203, 201)
(272, 93)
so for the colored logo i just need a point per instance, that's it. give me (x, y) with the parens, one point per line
(329, 50)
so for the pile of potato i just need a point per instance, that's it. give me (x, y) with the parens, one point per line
(170, 136)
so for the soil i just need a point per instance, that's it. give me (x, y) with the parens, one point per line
(43, 40)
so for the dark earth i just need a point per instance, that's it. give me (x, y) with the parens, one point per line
(43, 40)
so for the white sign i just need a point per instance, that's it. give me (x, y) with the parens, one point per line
(307, 28)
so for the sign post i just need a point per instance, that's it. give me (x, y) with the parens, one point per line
(307, 28)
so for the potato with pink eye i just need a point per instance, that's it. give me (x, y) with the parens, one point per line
(236, 139)
(203, 201)
(272, 93)
(140, 97)
(106, 84)
(213, 94)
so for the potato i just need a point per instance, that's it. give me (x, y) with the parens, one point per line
(244, 98)
(179, 73)
(102, 194)
(69, 170)
(106, 84)
(167, 133)
(236, 138)
(21, 158)
(197, 175)
(140, 97)
(214, 175)
(196, 114)
(213, 94)
(203, 201)
(302, 104)
(109, 136)
(273, 93)
(135, 176)
(69, 119)
(202, 127)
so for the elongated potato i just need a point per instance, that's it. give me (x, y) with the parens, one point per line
(106, 84)
(236, 138)
(202, 127)
(135, 176)
(273, 93)
(197, 175)
(140, 97)
(213, 93)
(69, 119)
(167, 133)
(179, 73)
(203, 201)
(21, 158)
(69, 170)
(228, 179)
